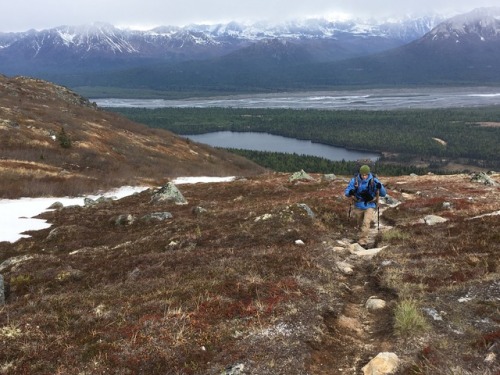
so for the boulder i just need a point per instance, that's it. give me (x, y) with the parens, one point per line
(169, 193)
(434, 219)
(383, 363)
(300, 176)
(374, 303)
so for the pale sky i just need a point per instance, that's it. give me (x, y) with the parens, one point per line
(22, 15)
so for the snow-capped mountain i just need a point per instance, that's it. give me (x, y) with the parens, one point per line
(481, 24)
(37, 51)
(314, 53)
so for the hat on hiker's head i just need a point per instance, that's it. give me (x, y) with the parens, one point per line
(364, 169)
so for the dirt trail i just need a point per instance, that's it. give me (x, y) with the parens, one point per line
(355, 334)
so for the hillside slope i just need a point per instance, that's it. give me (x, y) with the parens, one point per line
(259, 276)
(54, 142)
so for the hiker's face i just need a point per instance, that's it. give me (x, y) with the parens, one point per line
(364, 176)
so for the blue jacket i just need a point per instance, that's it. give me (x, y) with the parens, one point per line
(365, 191)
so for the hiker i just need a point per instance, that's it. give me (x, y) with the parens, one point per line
(364, 189)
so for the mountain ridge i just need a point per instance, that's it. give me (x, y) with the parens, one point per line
(229, 58)
(55, 142)
(57, 48)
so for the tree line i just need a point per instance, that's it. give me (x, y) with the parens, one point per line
(430, 134)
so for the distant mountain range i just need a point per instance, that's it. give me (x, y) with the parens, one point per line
(234, 57)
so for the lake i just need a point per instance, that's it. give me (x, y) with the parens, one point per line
(275, 143)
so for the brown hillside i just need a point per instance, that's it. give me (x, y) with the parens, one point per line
(244, 280)
(106, 150)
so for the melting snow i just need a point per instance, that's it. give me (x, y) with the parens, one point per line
(18, 214)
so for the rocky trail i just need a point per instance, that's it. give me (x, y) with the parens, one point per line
(364, 320)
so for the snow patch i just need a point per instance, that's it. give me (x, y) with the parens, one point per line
(18, 214)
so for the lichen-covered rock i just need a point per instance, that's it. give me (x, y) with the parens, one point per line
(300, 176)
(169, 193)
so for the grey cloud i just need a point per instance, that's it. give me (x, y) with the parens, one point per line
(27, 14)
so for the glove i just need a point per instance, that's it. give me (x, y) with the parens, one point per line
(351, 192)
(378, 185)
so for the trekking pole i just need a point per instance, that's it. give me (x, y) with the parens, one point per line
(378, 218)
(349, 214)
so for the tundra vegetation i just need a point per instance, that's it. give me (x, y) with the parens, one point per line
(243, 279)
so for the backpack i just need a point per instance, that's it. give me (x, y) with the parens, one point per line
(371, 194)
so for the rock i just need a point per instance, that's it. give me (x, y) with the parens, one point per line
(14, 260)
(355, 248)
(157, 216)
(434, 219)
(483, 178)
(307, 209)
(374, 303)
(432, 313)
(447, 205)
(103, 199)
(234, 370)
(491, 357)
(61, 232)
(199, 210)
(89, 202)
(169, 193)
(125, 219)
(263, 217)
(55, 206)
(329, 177)
(299, 243)
(383, 363)
(358, 250)
(345, 268)
(390, 201)
(338, 248)
(300, 176)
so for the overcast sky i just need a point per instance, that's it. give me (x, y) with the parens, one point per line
(22, 15)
